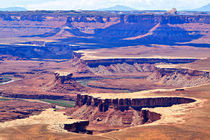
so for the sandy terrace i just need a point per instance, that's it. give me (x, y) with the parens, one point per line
(176, 113)
(55, 120)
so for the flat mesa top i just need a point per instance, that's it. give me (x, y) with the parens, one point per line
(134, 95)
(62, 73)
(48, 116)
(140, 52)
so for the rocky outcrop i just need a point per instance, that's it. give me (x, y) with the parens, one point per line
(112, 117)
(108, 62)
(175, 77)
(180, 77)
(173, 11)
(121, 68)
(120, 65)
(78, 127)
(63, 78)
(96, 30)
(169, 19)
(121, 112)
(98, 17)
(126, 104)
(65, 83)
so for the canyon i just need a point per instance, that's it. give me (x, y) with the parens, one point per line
(137, 75)
(48, 35)
(122, 112)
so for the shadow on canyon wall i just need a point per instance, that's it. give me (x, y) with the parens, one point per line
(106, 31)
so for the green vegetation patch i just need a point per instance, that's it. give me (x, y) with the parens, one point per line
(4, 79)
(63, 103)
(4, 99)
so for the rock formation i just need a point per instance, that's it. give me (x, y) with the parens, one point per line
(65, 83)
(180, 77)
(175, 77)
(125, 104)
(173, 11)
(103, 30)
(121, 112)
(78, 127)
(108, 62)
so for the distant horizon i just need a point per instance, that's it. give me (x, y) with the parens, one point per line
(105, 9)
(102, 4)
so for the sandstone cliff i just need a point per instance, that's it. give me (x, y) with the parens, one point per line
(95, 30)
(180, 77)
(121, 112)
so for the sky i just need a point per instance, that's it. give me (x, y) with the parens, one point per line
(98, 4)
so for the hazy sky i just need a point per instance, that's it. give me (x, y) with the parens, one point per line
(97, 4)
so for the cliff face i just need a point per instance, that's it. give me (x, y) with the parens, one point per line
(122, 69)
(102, 17)
(96, 30)
(108, 62)
(166, 76)
(63, 79)
(120, 65)
(152, 19)
(120, 112)
(165, 29)
(126, 104)
(180, 77)
(114, 118)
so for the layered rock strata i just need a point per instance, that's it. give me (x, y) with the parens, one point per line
(180, 77)
(126, 104)
(121, 112)
(95, 29)
(108, 62)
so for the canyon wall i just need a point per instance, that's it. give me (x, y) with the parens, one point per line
(120, 112)
(108, 62)
(176, 77)
(60, 33)
(180, 77)
(120, 65)
(153, 19)
(126, 104)
(68, 17)
(121, 69)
